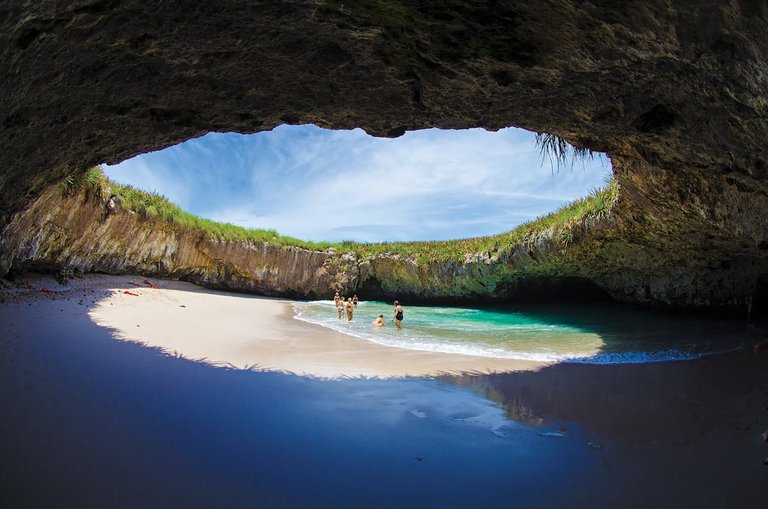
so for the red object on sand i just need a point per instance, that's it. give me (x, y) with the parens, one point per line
(46, 290)
(130, 293)
(146, 282)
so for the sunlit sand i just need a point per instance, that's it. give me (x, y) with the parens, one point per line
(85, 401)
(247, 332)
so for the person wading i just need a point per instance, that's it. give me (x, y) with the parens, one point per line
(350, 309)
(398, 315)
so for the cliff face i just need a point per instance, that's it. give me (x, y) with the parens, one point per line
(674, 92)
(78, 233)
(604, 256)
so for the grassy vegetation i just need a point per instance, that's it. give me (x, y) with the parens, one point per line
(559, 151)
(92, 181)
(560, 224)
(154, 206)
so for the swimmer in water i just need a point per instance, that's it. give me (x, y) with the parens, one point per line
(379, 321)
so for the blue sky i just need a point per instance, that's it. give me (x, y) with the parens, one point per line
(319, 184)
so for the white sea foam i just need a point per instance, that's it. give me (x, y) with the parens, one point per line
(646, 357)
(499, 334)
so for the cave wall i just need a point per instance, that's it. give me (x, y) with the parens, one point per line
(678, 238)
(605, 257)
(78, 234)
(674, 91)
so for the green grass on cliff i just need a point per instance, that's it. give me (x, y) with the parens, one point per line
(154, 206)
(560, 226)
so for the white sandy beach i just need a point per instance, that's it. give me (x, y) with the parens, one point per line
(249, 332)
(94, 421)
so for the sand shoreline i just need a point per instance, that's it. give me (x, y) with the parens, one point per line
(93, 422)
(251, 332)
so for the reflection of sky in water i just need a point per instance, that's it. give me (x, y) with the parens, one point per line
(578, 333)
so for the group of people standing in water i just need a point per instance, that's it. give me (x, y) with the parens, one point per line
(350, 304)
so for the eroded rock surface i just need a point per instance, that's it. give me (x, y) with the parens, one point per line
(601, 258)
(674, 92)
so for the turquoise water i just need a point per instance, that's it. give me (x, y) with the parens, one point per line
(599, 334)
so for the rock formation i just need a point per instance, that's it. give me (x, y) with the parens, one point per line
(595, 256)
(78, 233)
(674, 92)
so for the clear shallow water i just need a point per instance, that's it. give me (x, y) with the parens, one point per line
(595, 333)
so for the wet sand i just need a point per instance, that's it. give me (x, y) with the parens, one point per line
(93, 421)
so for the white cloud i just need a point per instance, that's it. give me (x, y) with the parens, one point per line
(335, 185)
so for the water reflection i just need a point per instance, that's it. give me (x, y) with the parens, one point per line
(634, 402)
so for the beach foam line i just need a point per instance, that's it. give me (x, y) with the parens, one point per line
(436, 346)
(443, 348)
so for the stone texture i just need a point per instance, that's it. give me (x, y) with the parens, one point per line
(674, 91)
(602, 259)
(77, 233)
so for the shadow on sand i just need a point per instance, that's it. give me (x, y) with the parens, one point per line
(93, 422)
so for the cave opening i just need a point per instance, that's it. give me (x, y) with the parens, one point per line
(562, 290)
(324, 185)
(540, 290)
(758, 312)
